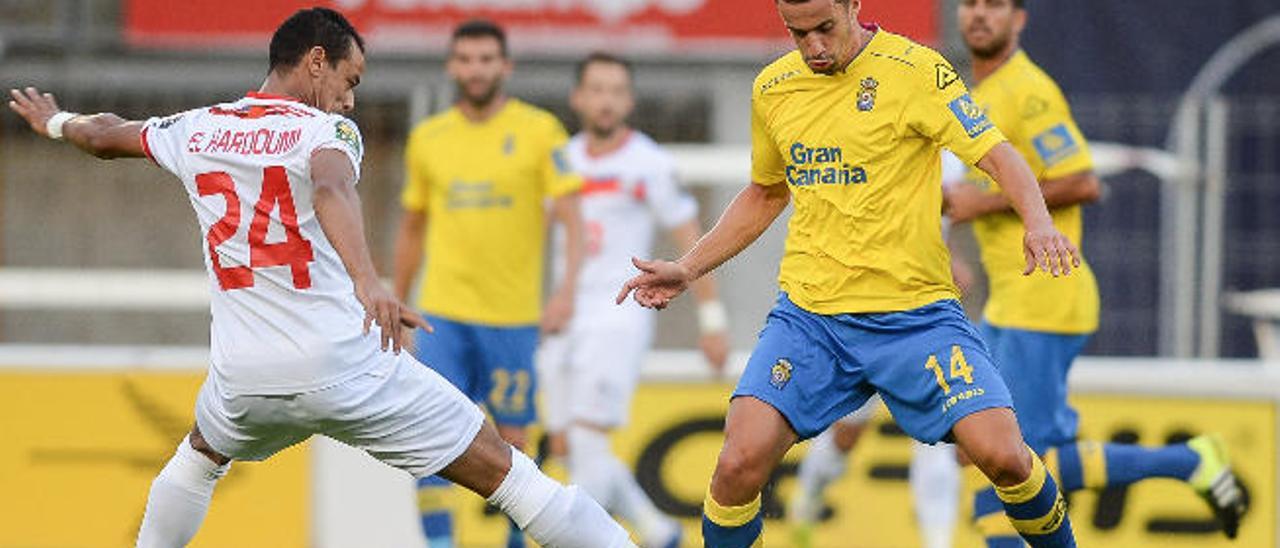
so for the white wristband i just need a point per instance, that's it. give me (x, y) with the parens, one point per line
(54, 126)
(712, 317)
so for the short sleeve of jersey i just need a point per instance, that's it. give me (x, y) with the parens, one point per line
(164, 139)
(341, 134)
(941, 109)
(668, 202)
(557, 176)
(767, 164)
(1055, 140)
(417, 185)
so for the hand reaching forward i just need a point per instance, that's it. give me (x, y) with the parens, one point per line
(1049, 250)
(657, 284)
(34, 107)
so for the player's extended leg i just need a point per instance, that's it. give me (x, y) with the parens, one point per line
(594, 467)
(180, 494)
(554, 515)
(826, 462)
(756, 436)
(1201, 462)
(1029, 495)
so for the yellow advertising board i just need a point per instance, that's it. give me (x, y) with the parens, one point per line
(675, 436)
(78, 452)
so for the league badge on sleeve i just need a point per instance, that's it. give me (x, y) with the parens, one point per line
(867, 94)
(346, 132)
(971, 116)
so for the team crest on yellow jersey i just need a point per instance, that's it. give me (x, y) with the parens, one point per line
(781, 373)
(867, 94)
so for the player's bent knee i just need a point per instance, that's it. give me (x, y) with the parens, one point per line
(1005, 464)
(483, 466)
(739, 473)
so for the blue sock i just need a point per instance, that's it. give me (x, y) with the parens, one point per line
(437, 522)
(1093, 465)
(731, 526)
(992, 524)
(1037, 510)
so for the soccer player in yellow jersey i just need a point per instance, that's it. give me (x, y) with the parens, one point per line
(1036, 325)
(479, 176)
(849, 129)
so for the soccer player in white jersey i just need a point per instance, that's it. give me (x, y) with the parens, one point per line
(588, 373)
(294, 296)
(934, 474)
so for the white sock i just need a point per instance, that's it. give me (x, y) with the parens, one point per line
(593, 467)
(179, 498)
(823, 464)
(554, 515)
(935, 492)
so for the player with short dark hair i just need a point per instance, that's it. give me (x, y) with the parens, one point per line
(1036, 325)
(479, 177)
(849, 128)
(305, 340)
(588, 373)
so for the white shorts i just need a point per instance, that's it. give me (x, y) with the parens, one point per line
(400, 412)
(589, 373)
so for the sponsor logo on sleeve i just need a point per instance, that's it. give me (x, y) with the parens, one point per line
(1055, 145)
(946, 75)
(971, 116)
(560, 161)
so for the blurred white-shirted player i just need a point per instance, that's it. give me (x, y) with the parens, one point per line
(294, 293)
(589, 372)
(934, 474)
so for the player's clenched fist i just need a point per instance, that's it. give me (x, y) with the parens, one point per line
(1050, 251)
(657, 284)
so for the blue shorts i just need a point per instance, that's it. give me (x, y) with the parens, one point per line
(1035, 366)
(928, 364)
(491, 365)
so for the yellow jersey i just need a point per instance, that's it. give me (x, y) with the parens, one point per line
(1027, 105)
(860, 150)
(483, 187)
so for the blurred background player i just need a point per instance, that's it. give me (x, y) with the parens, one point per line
(934, 476)
(588, 373)
(868, 303)
(1036, 325)
(292, 353)
(478, 179)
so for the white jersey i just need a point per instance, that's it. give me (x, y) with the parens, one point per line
(625, 194)
(285, 316)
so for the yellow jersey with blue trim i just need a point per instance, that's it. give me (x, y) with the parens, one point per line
(1025, 103)
(483, 187)
(860, 150)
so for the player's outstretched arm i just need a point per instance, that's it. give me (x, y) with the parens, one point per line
(966, 201)
(338, 209)
(1043, 245)
(751, 212)
(102, 135)
(408, 252)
